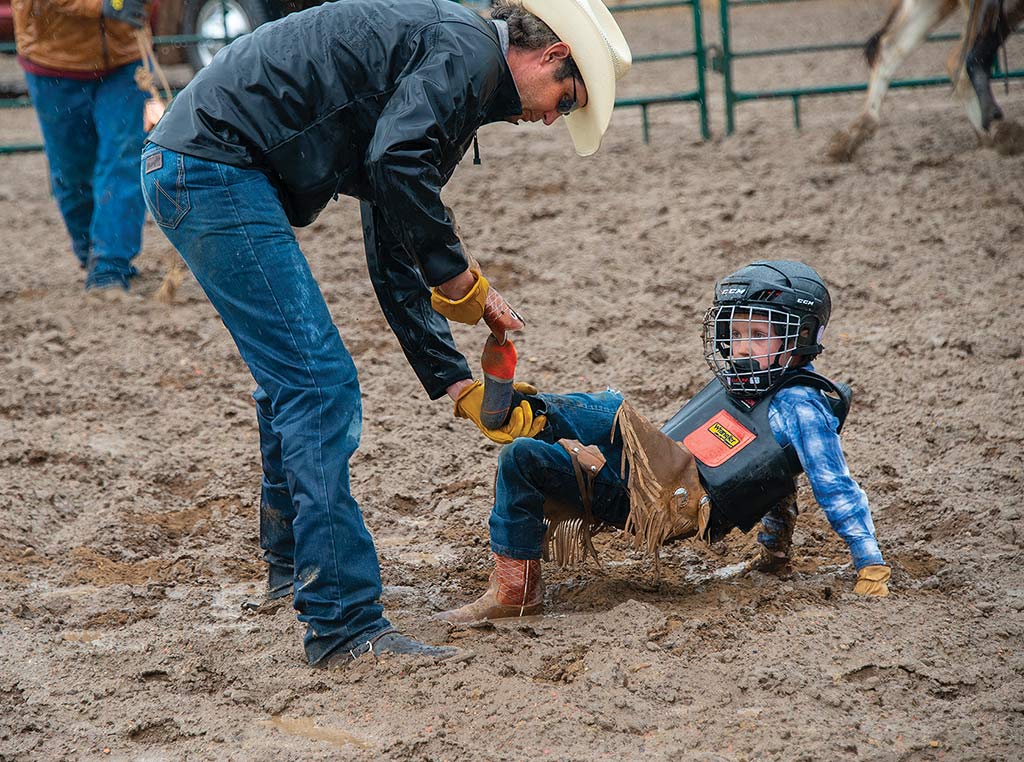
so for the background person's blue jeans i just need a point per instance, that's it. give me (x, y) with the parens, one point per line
(230, 229)
(93, 134)
(530, 470)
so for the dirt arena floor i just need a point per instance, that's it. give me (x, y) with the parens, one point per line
(128, 441)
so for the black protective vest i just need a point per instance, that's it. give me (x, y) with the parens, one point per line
(744, 470)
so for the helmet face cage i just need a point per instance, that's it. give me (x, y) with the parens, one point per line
(749, 374)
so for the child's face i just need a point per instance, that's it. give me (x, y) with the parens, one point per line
(754, 338)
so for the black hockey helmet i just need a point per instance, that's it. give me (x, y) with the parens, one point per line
(791, 297)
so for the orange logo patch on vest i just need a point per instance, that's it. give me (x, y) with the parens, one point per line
(718, 439)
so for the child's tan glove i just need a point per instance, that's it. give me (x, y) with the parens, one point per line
(873, 580)
(521, 422)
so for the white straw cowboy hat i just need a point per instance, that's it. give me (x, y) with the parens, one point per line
(602, 55)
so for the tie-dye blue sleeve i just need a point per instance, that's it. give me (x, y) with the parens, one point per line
(808, 424)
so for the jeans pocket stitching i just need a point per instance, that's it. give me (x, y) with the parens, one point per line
(180, 194)
(163, 220)
(183, 199)
(170, 199)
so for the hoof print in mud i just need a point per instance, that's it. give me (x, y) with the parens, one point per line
(155, 732)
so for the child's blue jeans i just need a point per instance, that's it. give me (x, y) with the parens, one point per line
(93, 135)
(530, 470)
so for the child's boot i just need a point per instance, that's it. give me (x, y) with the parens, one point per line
(516, 589)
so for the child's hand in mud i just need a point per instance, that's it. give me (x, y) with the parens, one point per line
(873, 580)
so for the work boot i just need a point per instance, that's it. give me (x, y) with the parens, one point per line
(389, 641)
(279, 581)
(280, 585)
(516, 589)
(109, 283)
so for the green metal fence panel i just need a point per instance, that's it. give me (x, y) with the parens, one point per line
(697, 53)
(732, 96)
(699, 94)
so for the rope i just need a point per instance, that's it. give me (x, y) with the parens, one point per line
(144, 79)
(144, 74)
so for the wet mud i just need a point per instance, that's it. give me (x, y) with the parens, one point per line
(129, 503)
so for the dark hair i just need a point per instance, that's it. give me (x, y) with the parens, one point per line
(527, 31)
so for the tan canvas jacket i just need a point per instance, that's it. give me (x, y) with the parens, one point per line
(72, 35)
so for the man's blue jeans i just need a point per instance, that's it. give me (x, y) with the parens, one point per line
(93, 134)
(230, 229)
(530, 470)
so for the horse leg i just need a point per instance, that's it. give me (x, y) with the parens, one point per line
(983, 34)
(1007, 136)
(908, 27)
(979, 67)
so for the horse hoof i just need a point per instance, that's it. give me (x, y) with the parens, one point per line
(840, 147)
(1008, 138)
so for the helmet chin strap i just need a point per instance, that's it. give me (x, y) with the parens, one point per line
(744, 366)
(750, 369)
(812, 350)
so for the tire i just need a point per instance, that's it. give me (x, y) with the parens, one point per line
(206, 18)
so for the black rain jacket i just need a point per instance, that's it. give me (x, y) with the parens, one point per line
(376, 99)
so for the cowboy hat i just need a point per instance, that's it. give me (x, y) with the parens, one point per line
(601, 54)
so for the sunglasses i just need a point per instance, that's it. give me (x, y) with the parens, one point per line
(567, 105)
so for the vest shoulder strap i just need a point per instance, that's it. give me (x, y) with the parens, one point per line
(840, 396)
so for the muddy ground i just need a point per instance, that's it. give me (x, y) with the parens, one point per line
(128, 504)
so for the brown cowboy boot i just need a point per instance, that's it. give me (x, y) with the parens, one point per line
(516, 589)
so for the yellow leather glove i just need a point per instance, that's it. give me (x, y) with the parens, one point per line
(521, 423)
(470, 308)
(872, 580)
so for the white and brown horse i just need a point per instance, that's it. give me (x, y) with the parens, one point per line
(989, 23)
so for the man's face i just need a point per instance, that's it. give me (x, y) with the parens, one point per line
(544, 98)
(754, 338)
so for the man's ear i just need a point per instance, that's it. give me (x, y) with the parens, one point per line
(556, 53)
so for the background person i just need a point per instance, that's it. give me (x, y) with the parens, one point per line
(79, 59)
(376, 99)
